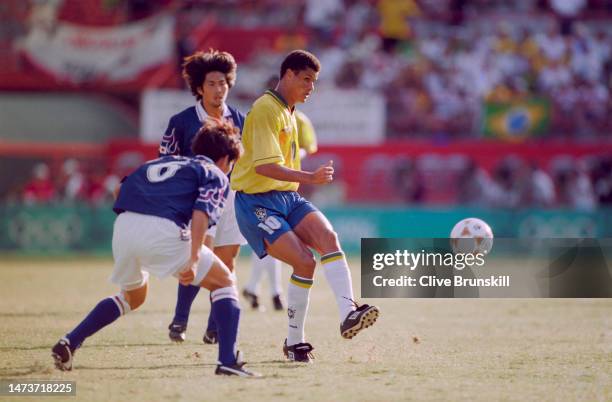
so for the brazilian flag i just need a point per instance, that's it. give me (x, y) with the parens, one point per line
(516, 121)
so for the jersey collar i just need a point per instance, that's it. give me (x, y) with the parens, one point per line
(279, 98)
(202, 115)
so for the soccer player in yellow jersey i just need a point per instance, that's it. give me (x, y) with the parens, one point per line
(276, 220)
(307, 141)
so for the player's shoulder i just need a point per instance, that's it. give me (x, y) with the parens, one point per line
(186, 114)
(235, 111)
(265, 105)
(206, 165)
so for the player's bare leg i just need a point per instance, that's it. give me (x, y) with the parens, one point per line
(136, 297)
(219, 276)
(228, 255)
(316, 231)
(291, 250)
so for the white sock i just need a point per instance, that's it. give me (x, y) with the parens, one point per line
(257, 269)
(273, 268)
(338, 276)
(297, 307)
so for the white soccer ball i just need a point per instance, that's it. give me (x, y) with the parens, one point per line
(471, 236)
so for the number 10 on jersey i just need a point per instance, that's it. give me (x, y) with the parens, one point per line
(270, 224)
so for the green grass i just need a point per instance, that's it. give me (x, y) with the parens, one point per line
(420, 349)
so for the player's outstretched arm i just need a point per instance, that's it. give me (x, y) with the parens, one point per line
(323, 175)
(199, 224)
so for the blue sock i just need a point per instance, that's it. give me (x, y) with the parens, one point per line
(107, 311)
(226, 312)
(212, 325)
(185, 297)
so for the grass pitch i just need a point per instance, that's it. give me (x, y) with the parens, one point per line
(420, 349)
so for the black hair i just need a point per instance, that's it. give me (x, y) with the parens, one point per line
(299, 60)
(196, 66)
(216, 140)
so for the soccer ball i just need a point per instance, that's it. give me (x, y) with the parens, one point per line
(471, 236)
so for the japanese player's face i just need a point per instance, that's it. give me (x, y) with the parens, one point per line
(303, 84)
(214, 89)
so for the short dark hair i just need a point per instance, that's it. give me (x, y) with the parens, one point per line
(216, 140)
(299, 60)
(196, 66)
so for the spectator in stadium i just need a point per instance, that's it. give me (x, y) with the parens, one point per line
(394, 21)
(73, 182)
(409, 182)
(603, 181)
(538, 188)
(40, 188)
(473, 185)
(506, 192)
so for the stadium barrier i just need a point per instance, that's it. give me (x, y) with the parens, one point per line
(66, 229)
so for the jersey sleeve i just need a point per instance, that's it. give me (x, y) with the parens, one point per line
(265, 130)
(213, 191)
(170, 143)
(307, 138)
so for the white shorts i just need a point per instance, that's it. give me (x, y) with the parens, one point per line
(144, 244)
(226, 231)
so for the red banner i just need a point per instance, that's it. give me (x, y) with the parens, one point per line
(125, 57)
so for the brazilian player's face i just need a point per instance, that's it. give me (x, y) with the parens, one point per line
(303, 84)
(214, 89)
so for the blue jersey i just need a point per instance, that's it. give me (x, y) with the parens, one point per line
(172, 187)
(184, 126)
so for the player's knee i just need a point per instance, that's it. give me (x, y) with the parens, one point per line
(327, 239)
(136, 298)
(305, 265)
(228, 255)
(227, 281)
(218, 277)
(224, 282)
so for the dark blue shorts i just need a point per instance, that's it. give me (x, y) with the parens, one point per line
(269, 215)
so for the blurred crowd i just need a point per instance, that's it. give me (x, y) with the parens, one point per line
(438, 62)
(583, 184)
(72, 182)
(435, 61)
(436, 70)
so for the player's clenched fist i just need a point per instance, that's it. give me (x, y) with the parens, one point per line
(324, 174)
(188, 272)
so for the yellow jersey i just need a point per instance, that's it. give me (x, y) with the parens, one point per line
(269, 135)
